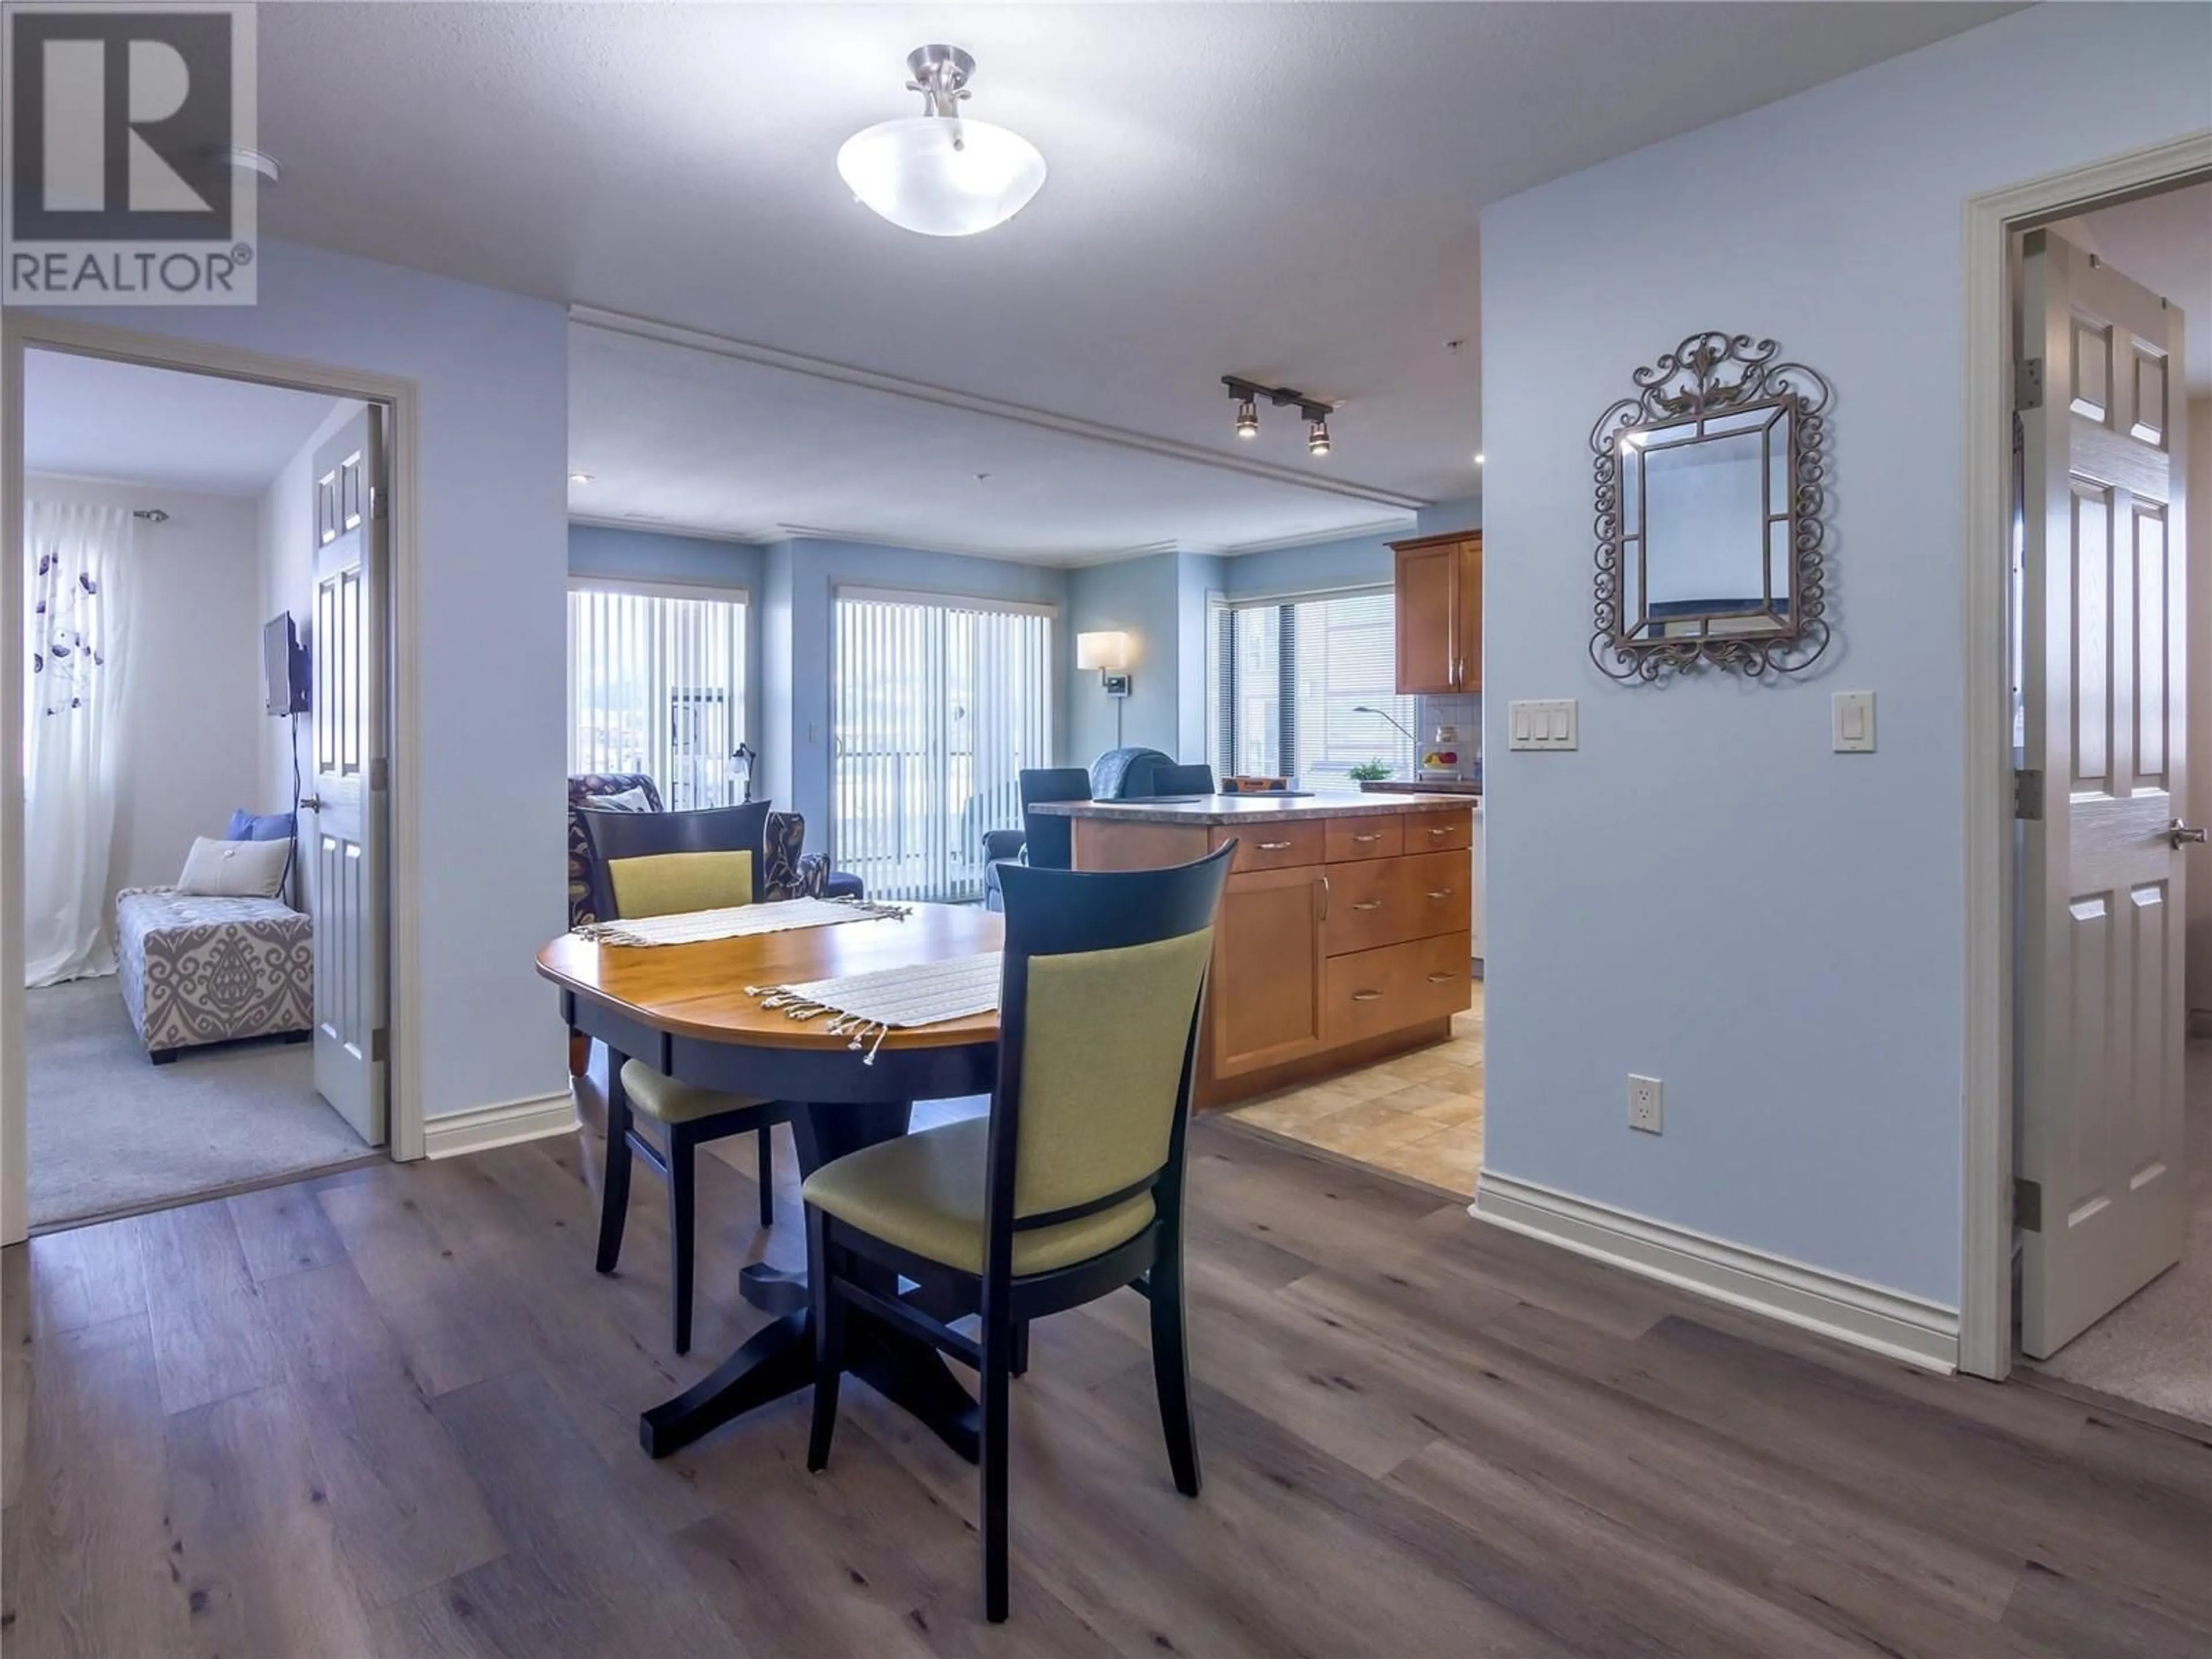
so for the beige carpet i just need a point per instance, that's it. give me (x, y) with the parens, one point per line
(2155, 1348)
(112, 1131)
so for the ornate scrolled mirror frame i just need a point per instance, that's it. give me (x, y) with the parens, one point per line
(1727, 393)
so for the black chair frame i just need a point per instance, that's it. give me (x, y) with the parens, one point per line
(1049, 913)
(638, 835)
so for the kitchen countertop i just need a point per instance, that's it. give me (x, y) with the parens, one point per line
(1244, 809)
(1424, 786)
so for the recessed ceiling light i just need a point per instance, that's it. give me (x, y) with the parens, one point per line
(580, 477)
(1478, 458)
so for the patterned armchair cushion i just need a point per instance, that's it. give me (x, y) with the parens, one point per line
(196, 969)
(791, 873)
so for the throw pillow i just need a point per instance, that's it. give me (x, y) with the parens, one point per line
(234, 869)
(630, 801)
(259, 826)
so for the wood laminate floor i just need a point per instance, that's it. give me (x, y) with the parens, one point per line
(393, 1412)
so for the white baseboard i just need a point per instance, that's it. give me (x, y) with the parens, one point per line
(485, 1126)
(1890, 1322)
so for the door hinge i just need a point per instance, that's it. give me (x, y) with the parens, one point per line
(2026, 794)
(380, 1043)
(2027, 383)
(379, 772)
(376, 502)
(2026, 1204)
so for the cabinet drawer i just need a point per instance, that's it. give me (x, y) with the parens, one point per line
(1378, 837)
(1270, 846)
(1371, 992)
(1388, 901)
(1439, 832)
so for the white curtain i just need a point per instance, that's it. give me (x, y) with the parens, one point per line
(74, 604)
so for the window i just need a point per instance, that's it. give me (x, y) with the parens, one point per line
(657, 685)
(936, 706)
(1285, 679)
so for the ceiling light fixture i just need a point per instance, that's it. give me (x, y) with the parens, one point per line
(1246, 395)
(939, 173)
(580, 477)
(1478, 458)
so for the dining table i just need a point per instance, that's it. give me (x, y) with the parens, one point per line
(695, 1012)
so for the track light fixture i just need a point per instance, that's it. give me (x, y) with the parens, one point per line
(1246, 395)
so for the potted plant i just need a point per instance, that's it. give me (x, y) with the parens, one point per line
(1370, 771)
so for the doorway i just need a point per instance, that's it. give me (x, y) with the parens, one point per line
(2089, 1201)
(218, 1056)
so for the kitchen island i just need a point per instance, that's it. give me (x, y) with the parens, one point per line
(1344, 932)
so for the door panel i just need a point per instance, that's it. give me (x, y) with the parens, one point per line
(346, 896)
(2104, 605)
(1266, 1001)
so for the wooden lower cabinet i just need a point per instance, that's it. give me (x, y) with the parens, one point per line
(1340, 939)
(1264, 1007)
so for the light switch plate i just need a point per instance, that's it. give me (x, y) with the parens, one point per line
(1543, 723)
(1854, 722)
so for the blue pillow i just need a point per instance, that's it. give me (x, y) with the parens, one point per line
(267, 826)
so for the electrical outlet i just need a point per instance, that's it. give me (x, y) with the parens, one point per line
(1646, 1101)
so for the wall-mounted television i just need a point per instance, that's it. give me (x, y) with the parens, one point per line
(284, 666)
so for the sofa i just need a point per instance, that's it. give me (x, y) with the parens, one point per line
(194, 969)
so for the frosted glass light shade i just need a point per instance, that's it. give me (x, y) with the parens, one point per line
(1105, 650)
(909, 171)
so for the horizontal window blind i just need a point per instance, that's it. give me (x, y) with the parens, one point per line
(937, 704)
(656, 685)
(1285, 680)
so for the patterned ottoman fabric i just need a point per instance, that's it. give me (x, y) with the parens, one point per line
(203, 969)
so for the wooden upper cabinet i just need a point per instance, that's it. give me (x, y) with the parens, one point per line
(1439, 580)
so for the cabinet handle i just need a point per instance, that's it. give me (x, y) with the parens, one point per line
(1372, 835)
(1439, 979)
(1274, 846)
(1369, 904)
(1441, 893)
(1323, 880)
(1366, 996)
(1439, 832)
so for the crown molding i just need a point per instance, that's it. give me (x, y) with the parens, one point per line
(656, 526)
(645, 328)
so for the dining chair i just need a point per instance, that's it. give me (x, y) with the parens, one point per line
(1071, 1188)
(650, 864)
(1193, 779)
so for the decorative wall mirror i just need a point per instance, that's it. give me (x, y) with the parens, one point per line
(1710, 493)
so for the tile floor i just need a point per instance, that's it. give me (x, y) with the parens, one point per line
(1418, 1114)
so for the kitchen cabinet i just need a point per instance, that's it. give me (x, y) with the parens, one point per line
(1439, 607)
(1343, 932)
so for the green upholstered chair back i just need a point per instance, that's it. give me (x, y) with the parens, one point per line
(1104, 1038)
(633, 838)
(1104, 981)
(670, 883)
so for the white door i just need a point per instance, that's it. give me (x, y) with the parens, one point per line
(345, 868)
(2102, 1200)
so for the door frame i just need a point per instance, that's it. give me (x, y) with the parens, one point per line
(1985, 1304)
(21, 332)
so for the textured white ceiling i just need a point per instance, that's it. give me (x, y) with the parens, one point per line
(89, 418)
(2164, 242)
(1289, 192)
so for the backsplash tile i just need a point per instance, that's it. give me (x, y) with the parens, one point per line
(1463, 711)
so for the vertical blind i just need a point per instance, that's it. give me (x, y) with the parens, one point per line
(656, 685)
(936, 707)
(1285, 678)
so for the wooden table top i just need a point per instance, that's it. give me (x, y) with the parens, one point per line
(699, 990)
